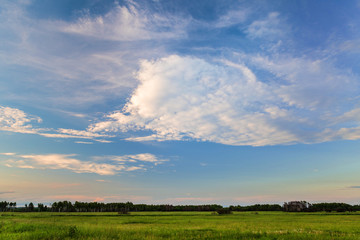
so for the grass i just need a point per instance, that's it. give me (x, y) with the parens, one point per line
(180, 225)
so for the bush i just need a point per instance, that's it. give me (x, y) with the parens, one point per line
(222, 211)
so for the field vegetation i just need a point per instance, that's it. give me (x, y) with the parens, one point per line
(179, 225)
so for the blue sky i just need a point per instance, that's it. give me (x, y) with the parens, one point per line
(180, 102)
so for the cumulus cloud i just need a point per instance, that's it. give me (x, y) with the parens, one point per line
(181, 98)
(99, 165)
(185, 97)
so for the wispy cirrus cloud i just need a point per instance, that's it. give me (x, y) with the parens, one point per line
(232, 17)
(71, 133)
(92, 58)
(271, 27)
(130, 23)
(61, 161)
(82, 142)
(142, 157)
(99, 165)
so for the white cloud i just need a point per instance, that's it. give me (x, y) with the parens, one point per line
(8, 154)
(81, 133)
(103, 141)
(175, 98)
(181, 98)
(271, 27)
(129, 23)
(102, 180)
(81, 142)
(352, 116)
(134, 168)
(232, 17)
(60, 161)
(344, 133)
(99, 165)
(15, 120)
(142, 157)
(185, 97)
(309, 84)
(85, 68)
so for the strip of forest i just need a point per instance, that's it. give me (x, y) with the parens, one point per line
(67, 206)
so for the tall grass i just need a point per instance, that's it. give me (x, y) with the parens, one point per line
(179, 225)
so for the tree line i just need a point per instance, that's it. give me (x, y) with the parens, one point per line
(316, 207)
(257, 207)
(330, 207)
(67, 206)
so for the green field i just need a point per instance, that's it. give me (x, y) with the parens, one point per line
(180, 225)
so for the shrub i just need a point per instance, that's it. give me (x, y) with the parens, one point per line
(222, 211)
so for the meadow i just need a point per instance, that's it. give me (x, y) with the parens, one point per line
(179, 225)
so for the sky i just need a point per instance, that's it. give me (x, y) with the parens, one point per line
(180, 102)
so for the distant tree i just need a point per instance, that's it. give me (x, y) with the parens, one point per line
(41, 207)
(60, 206)
(31, 207)
(3, 206)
